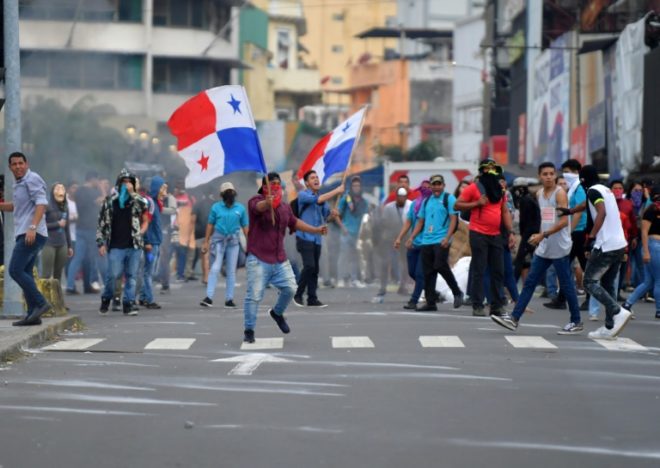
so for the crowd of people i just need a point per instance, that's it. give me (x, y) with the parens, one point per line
(565, 231)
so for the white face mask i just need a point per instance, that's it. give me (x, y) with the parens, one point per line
(571, 178)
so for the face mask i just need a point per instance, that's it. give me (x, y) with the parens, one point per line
(276, 191)
(123, 196)
(570, 178)
(618, 193)
(636, 197)
(229, 197)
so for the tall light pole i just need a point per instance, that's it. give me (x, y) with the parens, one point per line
(12, 305)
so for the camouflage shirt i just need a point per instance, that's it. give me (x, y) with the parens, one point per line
(104, 228)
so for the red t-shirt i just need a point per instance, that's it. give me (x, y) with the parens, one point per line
(485, 219)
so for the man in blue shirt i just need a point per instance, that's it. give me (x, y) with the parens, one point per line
(437, 221)
(352, 207)
(29, 205)
(312, 209)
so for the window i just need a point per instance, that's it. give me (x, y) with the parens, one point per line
(337, 80)
(338, 16)
(82, 70)
(211, 15)
(283, 48)
(69, 10)
(182, 76)
(337, 49)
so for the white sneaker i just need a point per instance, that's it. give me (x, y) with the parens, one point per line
(602, 334)
(378, 299)
(593, 318)
(359, 284)
(620, 321)
(341, 283)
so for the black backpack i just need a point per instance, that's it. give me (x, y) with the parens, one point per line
(295, 208)
(465, 214)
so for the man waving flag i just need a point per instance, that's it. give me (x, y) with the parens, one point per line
(332, 154)
(216, 135)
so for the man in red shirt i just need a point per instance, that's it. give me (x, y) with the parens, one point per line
(402, 181)
(486, 201)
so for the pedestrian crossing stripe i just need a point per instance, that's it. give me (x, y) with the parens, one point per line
(171, 343)
(352, 342)
(76, 344)
(536, 342)
(621, 344)
(263, 343)
(441, 342)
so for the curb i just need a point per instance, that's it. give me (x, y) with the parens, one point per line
(13, 342)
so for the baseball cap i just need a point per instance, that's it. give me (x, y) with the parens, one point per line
(402, 192)
(437, 178)
(227, 186)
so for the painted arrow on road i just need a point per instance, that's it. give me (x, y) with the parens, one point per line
(248, 363)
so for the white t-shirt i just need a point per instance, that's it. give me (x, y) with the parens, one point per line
(611, 236)
(73, 216)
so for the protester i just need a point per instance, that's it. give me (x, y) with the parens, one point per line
(488, 212)
(29, 204)
(314, 210)
(122, 224)
(266, 262)
(629, 218)
(553, 246)
(200, 216)
(168, 247)
(186, 246)
(352, 207)
(58, 246)
(528, 210)
(153, 239)
(221, 242)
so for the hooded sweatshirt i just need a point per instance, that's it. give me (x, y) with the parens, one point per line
(154, 234)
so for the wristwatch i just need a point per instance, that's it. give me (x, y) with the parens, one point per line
(32, 227)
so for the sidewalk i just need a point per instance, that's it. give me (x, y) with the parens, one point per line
(14, 339)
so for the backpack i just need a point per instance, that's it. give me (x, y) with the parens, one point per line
(295, 208)
(465, 214)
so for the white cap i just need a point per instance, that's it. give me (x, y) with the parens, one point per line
(402, 192)
(227, 186)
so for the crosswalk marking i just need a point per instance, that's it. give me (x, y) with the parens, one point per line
(264, 343)
(441, 342)
(621, 344)
(73, 344)
(352, 342)
(537, 342)
(171, 343)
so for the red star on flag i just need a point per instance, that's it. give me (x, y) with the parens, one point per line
(204, 162)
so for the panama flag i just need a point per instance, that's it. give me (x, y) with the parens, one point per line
(216, 135)
(332, 153)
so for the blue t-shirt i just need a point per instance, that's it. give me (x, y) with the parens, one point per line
(436, 218)
(228, 220)
(412, 217)
(578, 197)
(352, 219)
(311, 213)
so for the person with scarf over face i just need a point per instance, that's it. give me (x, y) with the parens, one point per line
(414, 245)
(266, 260)
(488, 213)
(153, 238)
(58, 246)
(122, 223)
(226, 219)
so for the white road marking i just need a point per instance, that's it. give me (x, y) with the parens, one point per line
(170, 343)
(74, 344)
(441, 342)
(352, 342)
(248, 363)
(621, 344)
(264, 343)
(537, 342)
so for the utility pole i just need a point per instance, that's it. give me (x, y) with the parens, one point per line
(12, 305)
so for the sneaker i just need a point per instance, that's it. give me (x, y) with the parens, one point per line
(358, 284)
(130, 309)
(602, 334)
(248, 336)
(105, 305)
(165, 290)
(26, 322)
(280, 321)
(620, 321)
(427, 308)
(378, 299)
(458, 300)
(649, 298)
(479, 312)
(498, 312)
(71, 292)
(206, 302)
(229, 304)
(580, 292)
(413, 306)
(571, 329)
(151, 305)
(316, 303)
(298, 300)
(505, 321)
(593, 318)
(555, 304)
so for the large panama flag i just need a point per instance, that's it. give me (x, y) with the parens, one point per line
(216, 135)
(332, 153)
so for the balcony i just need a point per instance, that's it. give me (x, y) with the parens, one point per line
(295, 81)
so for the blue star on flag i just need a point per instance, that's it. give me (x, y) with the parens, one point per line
(345, 129)
(235, 104)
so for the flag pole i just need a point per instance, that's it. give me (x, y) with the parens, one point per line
(357, 142)
(272, 210)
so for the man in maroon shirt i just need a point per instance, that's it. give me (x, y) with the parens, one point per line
(266, 261)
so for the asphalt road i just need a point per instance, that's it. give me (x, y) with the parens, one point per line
(173, 388)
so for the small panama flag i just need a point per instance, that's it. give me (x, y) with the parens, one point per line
(216, 135)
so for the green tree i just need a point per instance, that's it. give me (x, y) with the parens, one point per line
(423, 151)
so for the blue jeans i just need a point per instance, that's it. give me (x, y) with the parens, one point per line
(594, 305)
(416, 272)
(123, 262)
(551, 283)
(599, 276)
(223, 248)
(84, 253)
(538, 268)
(147, 291)
(21, 264)
(651, 277)
(637, 264)
(348, 257)
(259, 275)
(509, 278)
